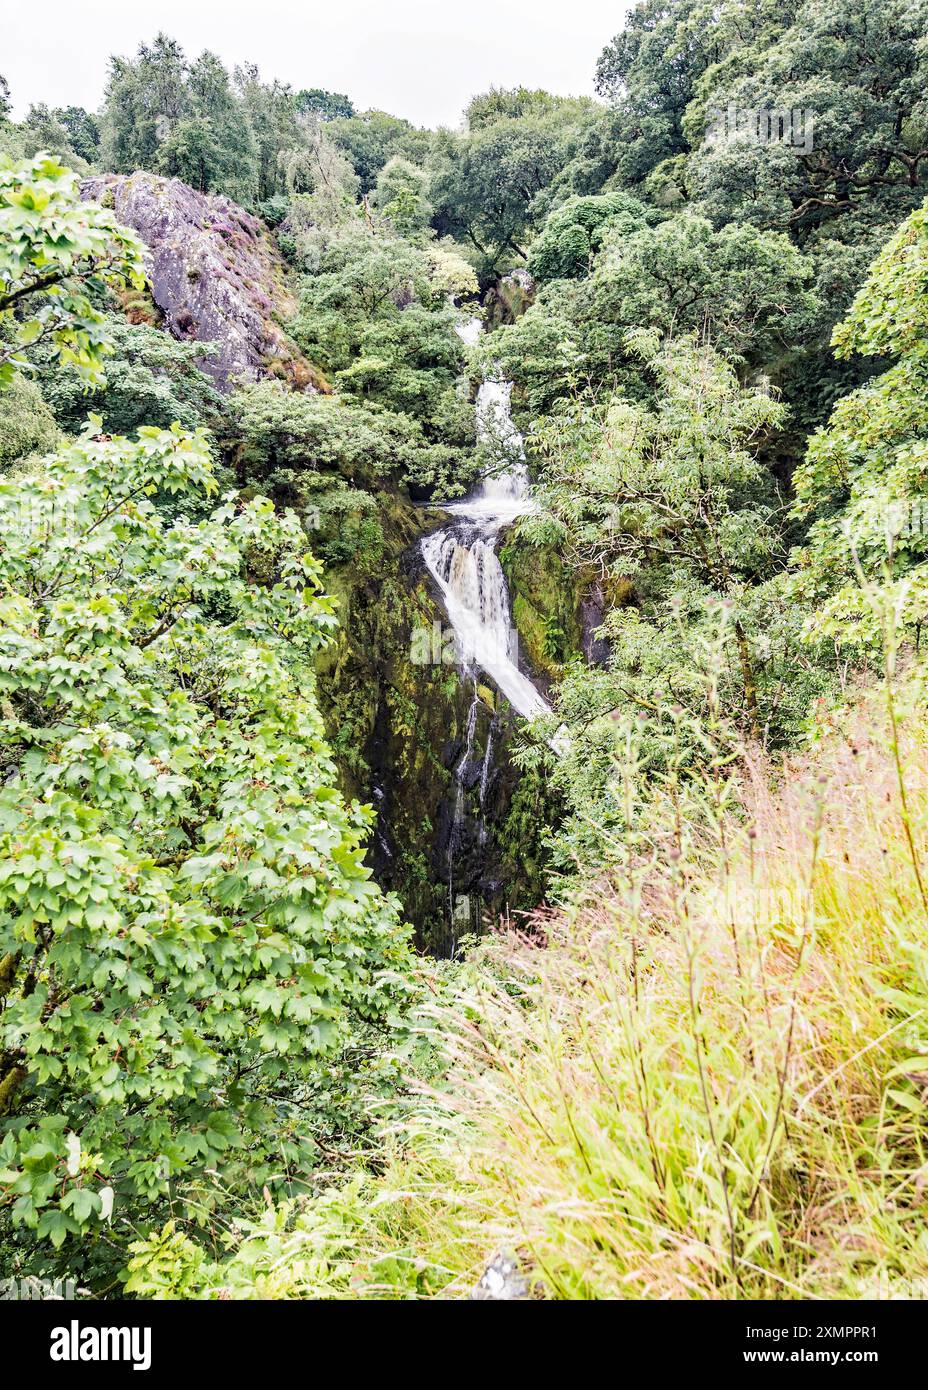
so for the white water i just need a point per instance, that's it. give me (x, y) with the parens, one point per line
(462, 557)
(465, 566)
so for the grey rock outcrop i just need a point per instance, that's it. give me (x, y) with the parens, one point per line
(215, 275)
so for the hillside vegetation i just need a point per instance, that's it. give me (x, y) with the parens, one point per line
(323, 973)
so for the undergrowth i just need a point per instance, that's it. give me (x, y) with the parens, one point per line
(705, 1078)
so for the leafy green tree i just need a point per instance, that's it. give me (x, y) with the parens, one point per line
(650, 71)
(858, 70)
(452, 276)
(377, 318)
(590, 164)
(272, 115)
(401, 195)
(182, 119)
(863, 486)
(328, 105)
(297, 446)
(316, 166)
(151, 379)
(12, 145)
(408, 362)
(145, 98)
(27, 426)
(187, 932)
(748, 291)
(83, 131)
(212, 146)
(670, 509)
(371, 138)
(517, 103)
(484, 183)
(674, 492)
(572, 235)
(44, 130)
(57, 255)
(361, 277)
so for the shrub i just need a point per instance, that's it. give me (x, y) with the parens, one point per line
(187, 930)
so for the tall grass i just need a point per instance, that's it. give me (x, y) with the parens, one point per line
(711, 1082)
(706, 1079)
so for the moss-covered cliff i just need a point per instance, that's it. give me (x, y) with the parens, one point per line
(425, 742)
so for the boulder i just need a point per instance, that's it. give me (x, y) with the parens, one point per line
(215, 275)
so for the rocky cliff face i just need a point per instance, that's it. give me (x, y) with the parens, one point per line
(215, 275)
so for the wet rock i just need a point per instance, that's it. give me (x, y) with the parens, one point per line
(509, 298)
(503, 1281)
(522, 278)
(215, 275)
(592, 612)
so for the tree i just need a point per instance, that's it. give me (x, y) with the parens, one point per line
(668, 507)
(573, 233)
(749, 292)
(484, 184)
(26, 424)
(327, 105)
(187, 931)
(516, 103)
(857, 69)
(862, 487)
(272, 114)
(361, 277)
(401, 195)
(144, 100)
(671, 497)
(650, 71)
(298, 446)
(318, 167)
(746, 290)
(170, 116)
(371, 138)
(56, 255)
(42, 130)
(151, 379)
(213, 146)
(83, 131)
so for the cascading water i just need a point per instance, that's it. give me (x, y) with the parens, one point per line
(464, 564)
(462, 559)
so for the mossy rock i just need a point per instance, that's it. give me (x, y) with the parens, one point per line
(546, 600)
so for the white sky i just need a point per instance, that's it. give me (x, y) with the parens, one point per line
(422, 59)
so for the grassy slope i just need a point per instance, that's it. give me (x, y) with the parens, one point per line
(708, 1082)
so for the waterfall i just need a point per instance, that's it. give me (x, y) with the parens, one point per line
(462, 557)
(464, 564)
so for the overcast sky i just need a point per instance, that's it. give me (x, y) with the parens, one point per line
(422, 59)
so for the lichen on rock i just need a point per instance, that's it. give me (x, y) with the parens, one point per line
(215, 275)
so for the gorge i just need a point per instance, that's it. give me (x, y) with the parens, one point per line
(461, 558)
